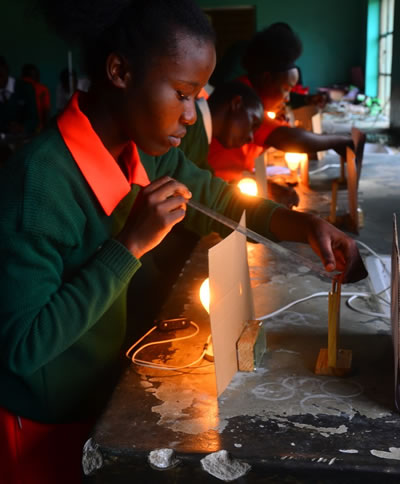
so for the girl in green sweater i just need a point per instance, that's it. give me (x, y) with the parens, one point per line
(73, 229)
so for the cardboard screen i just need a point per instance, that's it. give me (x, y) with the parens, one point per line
(231, 302)
(395, 306)
(359, 142)
(261, 179)
(316, 122)
(354, 159)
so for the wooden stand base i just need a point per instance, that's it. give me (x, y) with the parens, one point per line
(343, 363)
(251, 346)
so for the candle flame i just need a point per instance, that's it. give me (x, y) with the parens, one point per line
(271, 115)
(293, 160)
(248, 186)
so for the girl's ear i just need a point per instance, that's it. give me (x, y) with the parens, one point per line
(117, 70)
(236, 103)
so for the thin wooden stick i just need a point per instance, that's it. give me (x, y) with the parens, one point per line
(333, 322)
(342, 177)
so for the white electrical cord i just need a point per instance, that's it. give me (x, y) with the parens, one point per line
(353, 295)
(311, 296)
(374, 254)
(158, 366)
(323, 168)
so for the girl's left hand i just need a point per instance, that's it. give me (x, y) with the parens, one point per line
(336, 250)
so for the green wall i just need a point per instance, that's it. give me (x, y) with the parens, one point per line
(25, 38)
(333, 33)
(395, 97)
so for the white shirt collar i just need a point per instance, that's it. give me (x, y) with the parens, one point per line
(10, 87)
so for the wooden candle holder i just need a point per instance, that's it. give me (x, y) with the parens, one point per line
(353, 219)
(331, 360)
(251, 346)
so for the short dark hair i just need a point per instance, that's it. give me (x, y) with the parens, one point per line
(274, 49)
(29, 70)
(136, 29)
(224, 93)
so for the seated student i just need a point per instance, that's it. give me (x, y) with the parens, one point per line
(79, 211)
(228, 119)
(18, 110)
(67, 86)
(299, 95)
(30, 73)
(269, 61)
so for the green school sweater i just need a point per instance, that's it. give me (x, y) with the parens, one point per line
(64, 278)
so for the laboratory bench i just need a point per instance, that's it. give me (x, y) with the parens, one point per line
(282, 422)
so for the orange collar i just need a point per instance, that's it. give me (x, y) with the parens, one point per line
(99, 168)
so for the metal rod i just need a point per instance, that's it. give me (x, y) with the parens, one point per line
(278, 249)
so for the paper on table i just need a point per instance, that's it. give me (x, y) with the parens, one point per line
(231, 302)
(359, 144)
(395, 306)
(276, 170)
(261, 179)
(316, 122)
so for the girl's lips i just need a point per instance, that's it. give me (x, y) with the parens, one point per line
(175, 141)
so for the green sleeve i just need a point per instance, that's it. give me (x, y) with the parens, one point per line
(42, 315)
(50, 296)
(213, 192)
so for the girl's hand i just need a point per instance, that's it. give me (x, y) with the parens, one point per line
(336, 250)
(159, 206)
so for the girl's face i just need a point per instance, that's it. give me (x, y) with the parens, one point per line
(241, 125)
(275, 89)
(158, 107)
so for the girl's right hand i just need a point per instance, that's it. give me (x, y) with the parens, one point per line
(159, 206)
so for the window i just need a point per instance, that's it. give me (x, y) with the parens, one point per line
(385, 53)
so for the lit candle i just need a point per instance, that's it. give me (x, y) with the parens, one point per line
(271, 115)
(293, 160)
(248, 186)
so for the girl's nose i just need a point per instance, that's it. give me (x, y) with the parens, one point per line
(189, 115)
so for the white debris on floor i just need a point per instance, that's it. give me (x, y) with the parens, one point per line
(222, 466)
(163, 459)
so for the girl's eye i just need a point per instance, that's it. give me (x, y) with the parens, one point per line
(181, 96)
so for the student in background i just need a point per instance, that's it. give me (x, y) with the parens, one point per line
(269, 62)
(18, 110)
(68, 83)
(30, 73)
(79, 211)
(228, 119)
